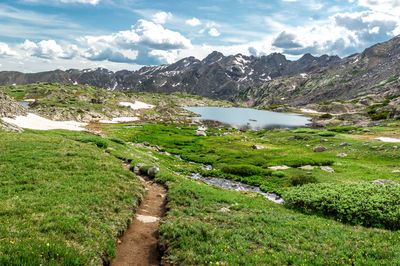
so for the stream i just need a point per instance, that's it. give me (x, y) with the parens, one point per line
(236, 186)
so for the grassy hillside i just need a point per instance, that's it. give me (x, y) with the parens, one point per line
(61, 201)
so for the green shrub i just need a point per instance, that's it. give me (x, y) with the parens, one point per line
(300, 180)
(362, 204)
(326, 116)
(278, 174)
(98, 141)
(305, 130)
(344, 129)
(326, 134)
(118, 140)
(378, 115)
(242, 169)
(143, 169)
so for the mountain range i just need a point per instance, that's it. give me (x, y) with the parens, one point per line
(254, 81)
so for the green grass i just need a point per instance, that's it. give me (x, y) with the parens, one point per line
(258, 232)
(76, 198)
(62, 201)
(363, 163)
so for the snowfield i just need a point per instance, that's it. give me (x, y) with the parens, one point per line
(137, 105)
(32, 121)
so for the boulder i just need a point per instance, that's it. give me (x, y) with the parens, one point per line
(344, 144)
(324, 140)
(201, 134)
(279, 167)
(341, 155)
(307, 167)
(327, 169)
(383, 182)
(258, 147)
(137, 167)
(319, 149)
(153, 171)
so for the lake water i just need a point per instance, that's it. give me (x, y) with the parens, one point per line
(24, 104)
(250, 118)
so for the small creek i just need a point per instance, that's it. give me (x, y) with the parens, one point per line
(236, 186)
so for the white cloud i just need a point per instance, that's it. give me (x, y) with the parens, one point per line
(5, 50)
(161, 17)
(49, 49)
(214, 32)
(193, 22)
(385, 6)
(91, 2)
(156, 36)
(164, 56)
(144, 33)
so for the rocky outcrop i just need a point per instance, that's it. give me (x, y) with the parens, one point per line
(9, 107)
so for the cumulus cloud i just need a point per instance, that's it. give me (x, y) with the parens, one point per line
(193, 22)
(145, 40)
(5, 50)
(49, 49)
(369, 26)
(144, 33)
(108, 54)
(286, 40)
(386, 6)
(164, 56)
(214, 32)
(91, 2)
(161, 17)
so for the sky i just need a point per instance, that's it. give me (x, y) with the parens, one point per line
(42, 35)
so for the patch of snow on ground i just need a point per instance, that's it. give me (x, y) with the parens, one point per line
(119, 120)
(29, 100)
(303, 75)
(310, 111)
(386, 139)
(33, 121)
(137, 105)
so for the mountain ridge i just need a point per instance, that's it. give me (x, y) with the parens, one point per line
(216, 76)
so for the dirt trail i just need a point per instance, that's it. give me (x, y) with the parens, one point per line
(139, 244)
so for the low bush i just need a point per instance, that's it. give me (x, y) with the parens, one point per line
(326, 116)
(344, 129)
(278, 174)
(326, 134)
(299, 180)
(362, 204)
(98, 141)
(242, 170)
(305, 130)
(143, 169)
(118, 140)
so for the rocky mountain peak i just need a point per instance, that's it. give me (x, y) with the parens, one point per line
(213, 57)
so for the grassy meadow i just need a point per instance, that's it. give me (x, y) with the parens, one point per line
(62, 201)
(65, 197)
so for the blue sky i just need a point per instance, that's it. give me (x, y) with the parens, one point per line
(38, 35)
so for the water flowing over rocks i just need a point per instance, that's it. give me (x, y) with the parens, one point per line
(236, 186)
